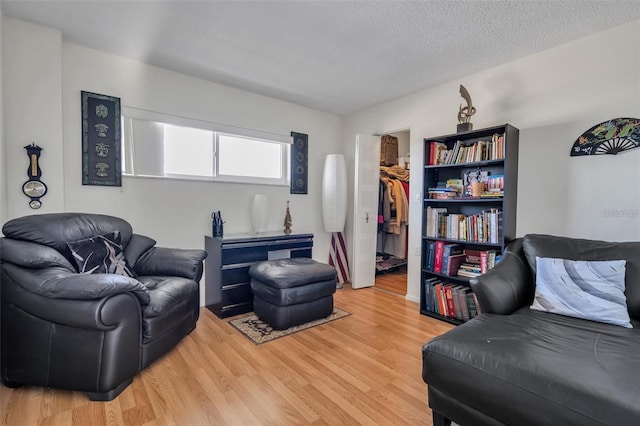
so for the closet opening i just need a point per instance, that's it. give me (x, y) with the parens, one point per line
(393, 213)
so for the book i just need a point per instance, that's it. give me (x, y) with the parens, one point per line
(439, 301)
(472, 256)
(471, 304)
(448, 251)
(453, 264)
(455, 184)
(475, 299)
(451, 311)
(437, 153)
(462, 295)
(432, 220)
(455, 293)
(428, 293)
(484, 261)
(431, 250)
(469, 270)
(437, 262)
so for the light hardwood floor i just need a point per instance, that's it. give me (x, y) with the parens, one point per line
(362, 369)
(393, 281)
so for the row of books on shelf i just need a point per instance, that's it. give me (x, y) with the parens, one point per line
(484, 227)
(450, 300)
(456, 261)
(461, 153)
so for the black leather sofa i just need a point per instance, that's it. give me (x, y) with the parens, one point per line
(89, 332)
(512, 365)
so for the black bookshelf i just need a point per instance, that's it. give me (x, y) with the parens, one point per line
(505, 165)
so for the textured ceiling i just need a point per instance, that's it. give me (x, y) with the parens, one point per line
(336, 56)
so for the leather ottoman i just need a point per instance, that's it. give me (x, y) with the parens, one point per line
(288, 292)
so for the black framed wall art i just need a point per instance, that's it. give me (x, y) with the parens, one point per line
(101, 139)
(299, 163)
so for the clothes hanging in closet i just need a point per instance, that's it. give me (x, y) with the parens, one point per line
(394, 209)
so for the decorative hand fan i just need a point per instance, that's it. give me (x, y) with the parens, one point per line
(609, 137)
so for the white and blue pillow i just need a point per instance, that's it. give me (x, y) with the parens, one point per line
(592, 290)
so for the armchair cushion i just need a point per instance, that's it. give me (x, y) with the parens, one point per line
(592, 290)
(101, 254)
(138, 245)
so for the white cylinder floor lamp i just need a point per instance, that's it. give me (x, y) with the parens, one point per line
(334, 212)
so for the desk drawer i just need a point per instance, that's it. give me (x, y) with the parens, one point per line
(235, 275)
(290, 244)
(236, 294)
(239, 254)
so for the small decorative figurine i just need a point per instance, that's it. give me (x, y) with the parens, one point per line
(465, 113)
(287, 220)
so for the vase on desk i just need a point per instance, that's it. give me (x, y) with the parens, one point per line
(259, 213)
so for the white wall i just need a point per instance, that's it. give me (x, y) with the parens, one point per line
(3, 168)
(404, 143)
(552, 97)
(32, 75)
(175, 213)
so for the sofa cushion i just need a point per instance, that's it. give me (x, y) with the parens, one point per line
(547, 369)
(581, 249)
(101, 254)
(592, 290)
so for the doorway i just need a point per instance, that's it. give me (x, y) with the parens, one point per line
(393, 214)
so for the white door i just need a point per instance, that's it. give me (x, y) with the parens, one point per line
(365, 207)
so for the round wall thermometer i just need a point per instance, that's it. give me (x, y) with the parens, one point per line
(34, 188)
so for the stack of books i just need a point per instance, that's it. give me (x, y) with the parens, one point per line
(477, 262)
(450, 300)
(449, 189)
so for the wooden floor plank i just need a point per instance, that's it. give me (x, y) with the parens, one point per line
(394, 281)
(361, 369)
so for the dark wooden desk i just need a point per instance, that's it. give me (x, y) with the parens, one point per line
(227, 282)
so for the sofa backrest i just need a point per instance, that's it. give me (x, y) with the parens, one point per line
(581, 249)
(57, 229)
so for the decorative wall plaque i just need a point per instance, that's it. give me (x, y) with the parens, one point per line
(299, 163)
(609, 137)
(101, 135)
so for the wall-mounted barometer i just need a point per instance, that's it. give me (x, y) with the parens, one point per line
(34, 188)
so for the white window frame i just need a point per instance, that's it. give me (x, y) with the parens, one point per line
(284, 141)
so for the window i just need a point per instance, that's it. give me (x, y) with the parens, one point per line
(158, 145)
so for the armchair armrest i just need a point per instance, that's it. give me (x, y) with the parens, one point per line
(171, 262)
(68, 304)
(508, 286)
(59, 283)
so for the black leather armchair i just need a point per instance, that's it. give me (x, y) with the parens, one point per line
(89, 332)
